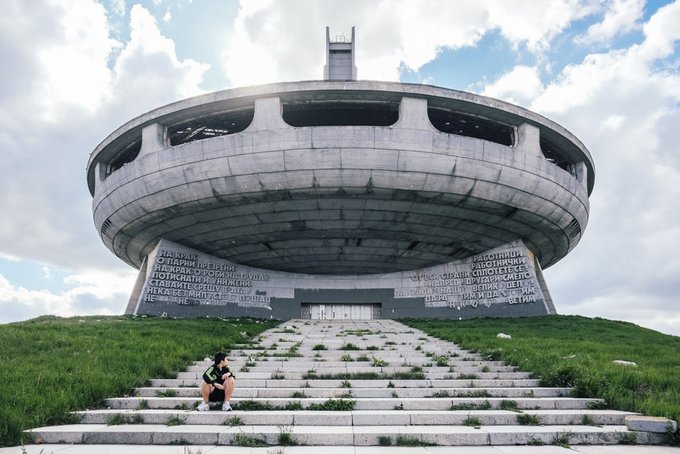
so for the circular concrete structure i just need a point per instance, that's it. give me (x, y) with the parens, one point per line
(343, 178)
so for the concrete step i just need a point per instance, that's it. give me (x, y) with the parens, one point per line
(375, 371)
(313, 363)
(354, 418)
(255, 383)
(357, 393)
(444, 435)
(469, 401)
(353, 369)
(369, 403)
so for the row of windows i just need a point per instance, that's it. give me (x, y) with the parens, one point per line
(339, 113)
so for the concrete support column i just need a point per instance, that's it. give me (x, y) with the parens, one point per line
(99, 174)
(267, 115)
(153, 139)
(529, 139)
(413, 115)
(581, 173)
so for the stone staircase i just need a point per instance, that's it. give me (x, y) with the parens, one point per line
(361, 383)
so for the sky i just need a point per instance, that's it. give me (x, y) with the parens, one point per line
(72, 71)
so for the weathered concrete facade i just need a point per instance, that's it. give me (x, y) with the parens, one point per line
(342, 178)
(179, 281)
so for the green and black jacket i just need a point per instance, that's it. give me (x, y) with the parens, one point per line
(213, 374)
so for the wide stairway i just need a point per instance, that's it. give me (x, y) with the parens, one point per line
(344, 383)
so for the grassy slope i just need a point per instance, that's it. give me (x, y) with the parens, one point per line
(578, 351)
(51, 366)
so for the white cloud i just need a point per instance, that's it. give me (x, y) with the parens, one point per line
(148, 67)
(44, 155)
(519, 86)
(621, 17)
(613, 121)
(74, 65)
(275, 41)
(525, 22)
(662, 32)
(95, 293)
(620, 104)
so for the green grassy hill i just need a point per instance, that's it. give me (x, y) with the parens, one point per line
(579, 352)
(51, 366)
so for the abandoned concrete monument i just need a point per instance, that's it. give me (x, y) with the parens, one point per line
(341, 199)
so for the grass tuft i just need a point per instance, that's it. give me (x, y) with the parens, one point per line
(233, 421)
(349, 346)
(384, 440)
(525, 419)
(509, 405)
(410, 441)
(472, 421)
(241, 439)
(562, 439)
(334, 405)
(174, 421)
(286, 436)
(486, 405)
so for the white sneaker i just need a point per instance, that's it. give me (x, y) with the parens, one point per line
(204, 406)
(226, 407)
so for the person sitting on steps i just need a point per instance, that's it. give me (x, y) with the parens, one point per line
(218, 384)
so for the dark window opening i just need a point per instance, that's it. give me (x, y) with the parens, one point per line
(553, 154)
(338, 113)
(105, 227)
(126, 156)
(208, 127)
(452, 122)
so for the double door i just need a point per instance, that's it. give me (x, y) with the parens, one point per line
(341, 311)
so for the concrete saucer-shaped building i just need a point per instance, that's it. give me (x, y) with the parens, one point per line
(341, 199)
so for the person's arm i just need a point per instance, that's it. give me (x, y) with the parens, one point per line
(228, 373)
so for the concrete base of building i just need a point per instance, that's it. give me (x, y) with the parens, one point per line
(178, 281)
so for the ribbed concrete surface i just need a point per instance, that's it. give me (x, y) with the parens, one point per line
(491, 405)
(350, 199)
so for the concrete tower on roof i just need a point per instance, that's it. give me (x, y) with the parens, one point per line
(339, 58)
(341, 199)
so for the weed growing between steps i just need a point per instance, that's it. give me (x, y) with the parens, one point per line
(509, 405)
(384, 440)
(233, 421)
(349, 346)
(574, 351)
(328, 405)
(524, 419)
(472, 421)
(241, 439)
(403, 440)
(285, 437)
(562, 439)
(334, 405)
(416, 373)
(81, 361)
(486, 405)
(118, 419)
